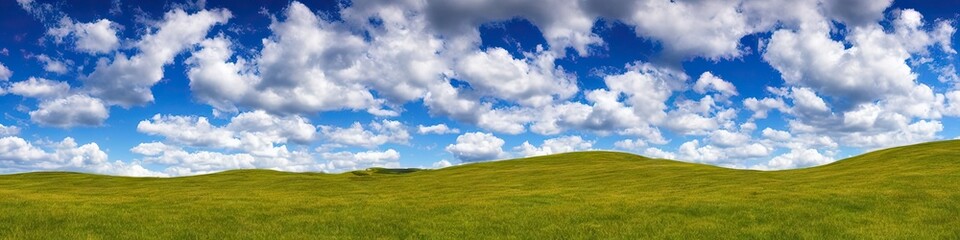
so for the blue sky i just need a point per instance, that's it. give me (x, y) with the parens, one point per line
(182, 88)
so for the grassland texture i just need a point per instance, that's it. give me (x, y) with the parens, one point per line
(909, 192)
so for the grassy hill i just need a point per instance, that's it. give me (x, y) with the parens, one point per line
(906, 192)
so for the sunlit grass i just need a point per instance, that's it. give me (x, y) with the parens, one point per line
(909, 192)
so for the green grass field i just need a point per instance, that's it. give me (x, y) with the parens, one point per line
(909, 192)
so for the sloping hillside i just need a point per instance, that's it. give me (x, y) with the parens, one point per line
(905, 192)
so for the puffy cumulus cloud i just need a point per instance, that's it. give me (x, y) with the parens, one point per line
(709, 29)
(605, 114)
(916, 132)
(709, 82)
(633, 104)
(693, 151)
(856, 12)
(659, 153)
(872, 68)
(630, 144)
(699, 117)
(796, 158)
(73, 110)
(189, 130)
(725, 138)
(761, 107)
(460, 105)
(346, 161)
(126, 81)
(404, 57)
(442, 164)
(436, 129)
(39, 88)
(385, 131)
(9, 130)
(95, 37)
(776, 135)
(952, 106)
(52, 65)
(272, 128)
(253, 132)
(179, 162)
(18, 155)
(59, 105)
(565, 24)
(477, 146)
(807, 103)
(304, 60)
(5, 73)
(554, 146)
(534, 81)
(647, 88)
(860, 91)
(888, 122)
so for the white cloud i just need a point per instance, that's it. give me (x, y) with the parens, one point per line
(180, 162)
(5, 73)
(630, 144)
(606, 114)
(916, 132)
(477, 146)
(361, 160)
(533, 81)
(253, 132)
(952, 107)
(126, 81)
(699, 117)
(709, 29)
(436, 129)
(856, 12)
(58, 105)
(658, 153)
(554, 146)
(647, 89)
(796, 158)
(403, 57)
(52, 65)
(189, 130)
(386, 131)
(709, 82)
(18, 155)
(761, 107)
(39, 88)
(304, 60)
(776, 135)
(564, 24)
(95, 37)
(442, 164)
(693, 151)
(724, 138)
(70, 111)
(873, 67)
(807, 103)
(9, 130)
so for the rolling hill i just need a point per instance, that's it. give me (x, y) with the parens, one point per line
(905, 192)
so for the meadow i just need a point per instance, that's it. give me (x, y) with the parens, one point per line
(910, 192)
